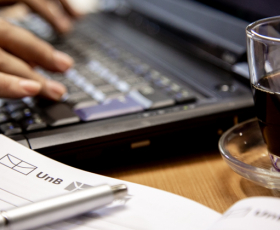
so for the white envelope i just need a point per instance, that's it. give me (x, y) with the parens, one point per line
(76, 186)
(17, 164)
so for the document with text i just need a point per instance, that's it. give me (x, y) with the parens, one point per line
(27, 176)
(256, 213)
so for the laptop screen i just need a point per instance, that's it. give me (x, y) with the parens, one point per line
(211, 29)
(249, 10)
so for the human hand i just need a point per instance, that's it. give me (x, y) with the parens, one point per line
(59, 13)
(19, 50)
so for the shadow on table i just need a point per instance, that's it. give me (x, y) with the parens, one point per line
(251, 189)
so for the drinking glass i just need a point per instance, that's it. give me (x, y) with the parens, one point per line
(263, 44)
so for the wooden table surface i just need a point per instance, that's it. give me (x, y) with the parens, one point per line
(203, 177)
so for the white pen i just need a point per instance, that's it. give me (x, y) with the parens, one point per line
(59, 208)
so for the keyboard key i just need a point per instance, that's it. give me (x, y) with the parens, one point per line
(124, 55)
(59, 114)
(58, 77)
(13, 106)
(85, 103)
(162, 82)
(21, 115)
(173, 88)
(132, 62)
(110, 108)
(151, 98)
(71, 74)
(81, 81)
(110, 91)
(114, 53)
(4, 117)
(43, 72)
(80, 100)
(137, 83)
(17, 115)
(107, 88)
(67, 83)
(33, 123)
(184, 96)
(148, 90)
(104, 74)
(89, 88)
(122, 86)
(134, 80)
(112, 78)
(94, 66)
(96, 81)
(114, 67)
(114, 94)
(10, 128)
(73, 89)
(141, 69)
(30, 102)
(152, 76)
(85, 72)
(124, 73)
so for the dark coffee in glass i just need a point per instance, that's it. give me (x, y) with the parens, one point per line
(263, 43)
(267, 105)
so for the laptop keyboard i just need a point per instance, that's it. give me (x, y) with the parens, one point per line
(105, 81)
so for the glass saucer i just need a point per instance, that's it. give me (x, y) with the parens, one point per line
(243, 149)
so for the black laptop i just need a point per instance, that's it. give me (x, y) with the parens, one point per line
(146, 73)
